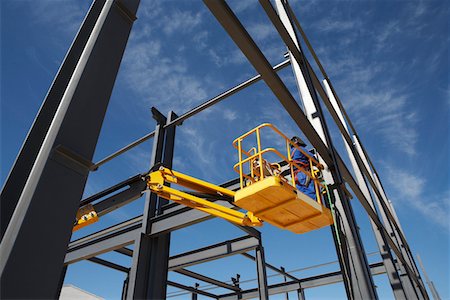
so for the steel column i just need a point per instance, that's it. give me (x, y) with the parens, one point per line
(391, 271)
(150, 253)
(58, 176)
(261, 272)
(410, 287)
(24, 162)
(361, 280)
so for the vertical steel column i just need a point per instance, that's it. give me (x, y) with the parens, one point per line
(125, 288)
(194, 294)
(386, 255)
(58, 176)
(261, 272)
(411, 289)
(430, 283)
(18, 174)
(139, 272)
(352, 250)
(404, 247)
(148, 274)
(301, 294)
(286, 295)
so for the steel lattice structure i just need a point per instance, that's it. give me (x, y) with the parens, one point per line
(55, 161)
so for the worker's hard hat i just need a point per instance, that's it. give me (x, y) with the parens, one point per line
(298, 141)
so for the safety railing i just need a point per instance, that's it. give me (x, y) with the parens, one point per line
(259, 168)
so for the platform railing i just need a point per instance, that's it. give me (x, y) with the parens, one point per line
(259, 168)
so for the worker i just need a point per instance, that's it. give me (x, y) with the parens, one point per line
(303, 182)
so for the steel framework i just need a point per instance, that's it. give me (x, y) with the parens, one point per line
(55, 161)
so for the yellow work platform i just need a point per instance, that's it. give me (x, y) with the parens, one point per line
(278, 203)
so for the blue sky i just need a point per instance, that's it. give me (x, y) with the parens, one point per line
(388, 60)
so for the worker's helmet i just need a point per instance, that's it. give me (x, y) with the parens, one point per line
(298, 141)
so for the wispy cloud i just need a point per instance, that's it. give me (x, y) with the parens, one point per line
(161, 80)
(183, 21)
(261, 31)
(334, 25)
(409, 191)
(65, 16)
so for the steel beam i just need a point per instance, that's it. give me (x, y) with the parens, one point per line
(206, 279)
(113, 238)
(213, 252)
(191, 289)
(305, 283)
(273, 268)
(59, 173)
(109, 264)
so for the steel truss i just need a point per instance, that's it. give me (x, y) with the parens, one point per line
(55, 160)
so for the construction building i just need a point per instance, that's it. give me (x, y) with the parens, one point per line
(56, 159)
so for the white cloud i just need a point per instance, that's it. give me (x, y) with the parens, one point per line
(160, 80)
(229, 115)
(409, 191)
(242, 5)
(334, 25)
(376, 102)
(261, 31)
(65, 16)
(184, 21)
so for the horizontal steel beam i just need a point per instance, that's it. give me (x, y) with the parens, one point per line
(134, 192)
(305, 283)
(111, 189)
(106, 240)
(207, 279)
(213, 252)
(273, 268)
(191, 289)
(109, 264)
(116, 237)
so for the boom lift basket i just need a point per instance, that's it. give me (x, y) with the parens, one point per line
(271, 197)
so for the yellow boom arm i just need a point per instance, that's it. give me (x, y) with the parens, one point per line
(156, 183)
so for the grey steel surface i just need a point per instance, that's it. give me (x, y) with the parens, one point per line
(25, 159)
(53, 177)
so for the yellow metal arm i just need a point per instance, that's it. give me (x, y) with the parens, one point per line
(86, 215)
(156, 183)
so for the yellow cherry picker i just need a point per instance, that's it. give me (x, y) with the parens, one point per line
(267, 190)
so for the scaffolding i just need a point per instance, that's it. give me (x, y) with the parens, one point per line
(55, 161)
